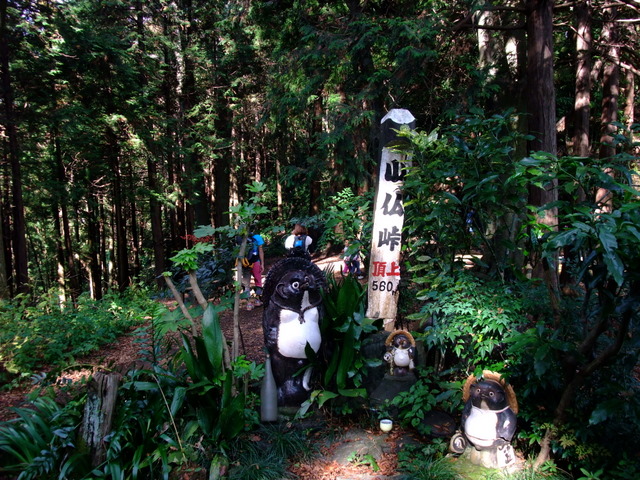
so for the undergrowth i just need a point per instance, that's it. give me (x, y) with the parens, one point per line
(265, 453)
(47, 334)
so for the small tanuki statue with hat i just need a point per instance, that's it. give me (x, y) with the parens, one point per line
(401, 350)
(488, 421)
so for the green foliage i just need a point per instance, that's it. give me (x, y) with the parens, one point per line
(286, 440)
(343, 328)
(467, 318)
(359, 459)
(460, 169)
(433, 390)
(546, 472)
(32, 336)
(426, 462)
(177, 413)
(266, 452)
(594, 329)
(607, 236)
(313, 223)
(39, 442)
(260, 464)
(247, 213)
(348, 218)
(210, 399)
(187, 258)
(542, 339)
(213, 256)
(214, 273)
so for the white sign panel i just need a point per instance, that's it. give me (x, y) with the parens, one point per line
(386, 242)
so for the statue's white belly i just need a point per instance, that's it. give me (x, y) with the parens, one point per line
(293, 335)
(480, 426)
(401, 357)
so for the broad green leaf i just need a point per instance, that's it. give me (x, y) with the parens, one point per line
(178, 400)
(213, 338)
(353, 392)
(324, 396)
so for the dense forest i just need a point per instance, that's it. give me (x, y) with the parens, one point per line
(126, 125)
(138, 135)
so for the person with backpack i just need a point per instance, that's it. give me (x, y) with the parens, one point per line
(297, 244)
(351, 260)
(253, 262)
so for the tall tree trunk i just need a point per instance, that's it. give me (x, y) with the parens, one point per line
(316, 134)
(106, 245)
(5, 292)
(222, 166)
(610, 92)
(18, 239)
(582, 105)
(172, 112)
(5, 218)
(156, 223)
(542, 113)
(122, 254)
(487, 43)
(136, 240)
(68, 261)
(61, 277)
(541, 91)
(224, 130)
(629, 114)
(93, 241)
(197, 207)
(367, 143)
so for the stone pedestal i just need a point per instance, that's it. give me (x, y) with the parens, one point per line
(501, 456)
(390, 386)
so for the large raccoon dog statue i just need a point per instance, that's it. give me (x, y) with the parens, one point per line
(292, 298)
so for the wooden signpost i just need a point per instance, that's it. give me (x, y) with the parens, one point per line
(386, 242)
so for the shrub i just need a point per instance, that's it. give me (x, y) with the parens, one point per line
(177, 413)
(432, 391)
(344, 328)
(427, 462)
(46, 334)
(467, 319)
(347, 219)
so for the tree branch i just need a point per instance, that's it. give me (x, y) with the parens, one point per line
(183, 308)
(581, 375)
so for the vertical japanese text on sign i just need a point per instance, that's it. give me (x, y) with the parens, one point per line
(386, 242)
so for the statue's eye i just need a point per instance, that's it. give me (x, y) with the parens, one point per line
(296, 285)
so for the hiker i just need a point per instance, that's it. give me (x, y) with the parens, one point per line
(297, 244)
(253, 262)
(351, 259)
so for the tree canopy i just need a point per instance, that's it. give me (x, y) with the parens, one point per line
(126, 125)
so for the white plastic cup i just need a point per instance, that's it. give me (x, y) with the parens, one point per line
(386, 425)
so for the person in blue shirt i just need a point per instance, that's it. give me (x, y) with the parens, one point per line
(255, 257)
